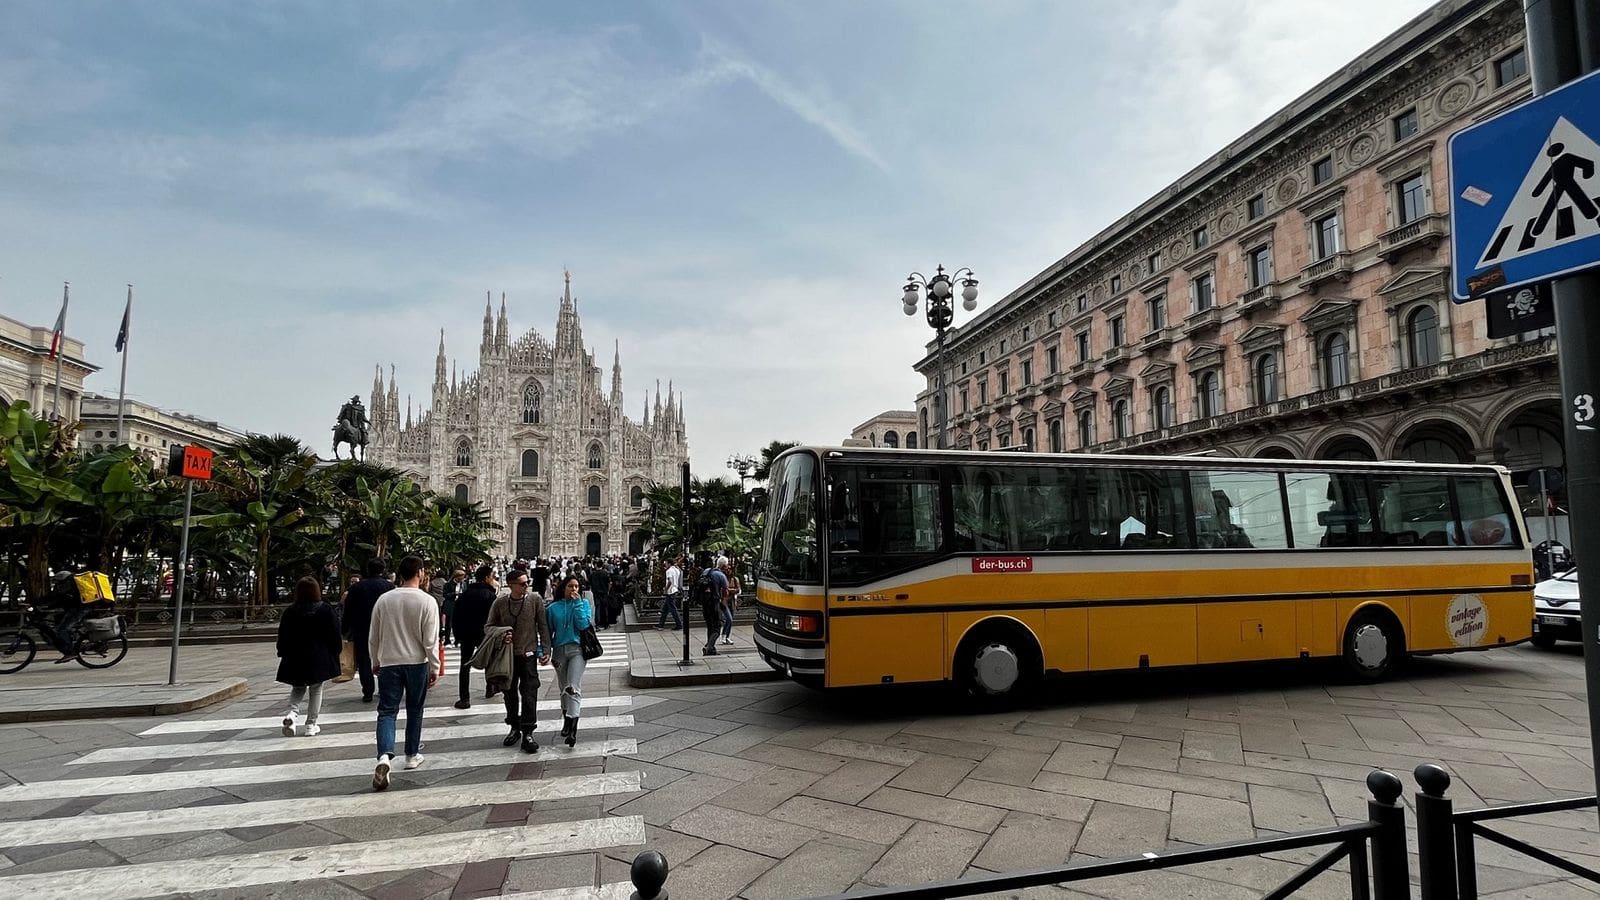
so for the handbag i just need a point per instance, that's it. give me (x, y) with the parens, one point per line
(589, 643)
(347, 663)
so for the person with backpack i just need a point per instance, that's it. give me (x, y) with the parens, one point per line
(308, 653)
(710, 587)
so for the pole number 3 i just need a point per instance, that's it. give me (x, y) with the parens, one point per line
(1583, 411)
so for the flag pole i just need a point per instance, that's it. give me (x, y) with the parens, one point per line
(122, 385)
(55, 404)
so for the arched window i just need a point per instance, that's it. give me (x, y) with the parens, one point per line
(1121, 419)
(872, 438)
(594, 496)
(911, 440)
(1206, 393)
(594, 456)
(1027, 439)
(1422, 336)
(1161, 400)
(1266, 377)
(1085, 429)
(463, 453)
(891, 439)
(636, 497)
(1336, 360)
(461, 493)
(530, 464)
(532, 403)
(1056, 445)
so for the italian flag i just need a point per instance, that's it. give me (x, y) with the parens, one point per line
(61, 326)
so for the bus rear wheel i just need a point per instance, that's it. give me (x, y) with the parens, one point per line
(1374, 645)
(997, 664)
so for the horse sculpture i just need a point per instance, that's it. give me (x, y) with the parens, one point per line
(352, 429)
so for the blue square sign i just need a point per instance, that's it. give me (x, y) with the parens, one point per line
(1525, 193)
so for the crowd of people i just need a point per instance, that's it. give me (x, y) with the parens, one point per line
(511, 619)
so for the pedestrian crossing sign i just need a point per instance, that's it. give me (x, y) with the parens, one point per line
(1525, 193)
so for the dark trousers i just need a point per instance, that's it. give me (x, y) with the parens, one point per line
(364, 665)
(669, 604)
(444, 627)
(410, 682)
(602, 610)
(522, 695)
(468, 650)
(713, 614)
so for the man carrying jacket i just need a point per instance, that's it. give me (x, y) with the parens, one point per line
(472, 607)
(523, 612)
(357, 621)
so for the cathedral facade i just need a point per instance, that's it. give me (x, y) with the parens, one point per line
(536, 440)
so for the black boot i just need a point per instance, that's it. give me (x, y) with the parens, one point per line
(572, 732)
(566, 725)
(512, 738)
(529, 745)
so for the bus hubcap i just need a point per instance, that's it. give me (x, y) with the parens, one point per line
(1372, 647)
(995, 668)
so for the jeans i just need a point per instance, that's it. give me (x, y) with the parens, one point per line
(569, 662)
(314, 706)
(669, 604)
(364, 664)
(468, 650)
(727, 621)
(523, 692)
(393, 681)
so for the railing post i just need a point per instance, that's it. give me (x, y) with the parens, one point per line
(649, 875)
(1466, 864)
(1435, 834)
(1391, 879)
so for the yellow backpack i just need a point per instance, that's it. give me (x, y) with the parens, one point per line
(94, 587)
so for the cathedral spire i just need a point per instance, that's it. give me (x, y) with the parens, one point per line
(657, 417)
(502, 333)
(616, 375)
(408, 412)
(488, 322)
(646, 421)
(438, 363)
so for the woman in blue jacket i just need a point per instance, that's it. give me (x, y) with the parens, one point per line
(569, 614)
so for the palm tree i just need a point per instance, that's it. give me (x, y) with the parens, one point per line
(262, 481)
(38, 491)
(769, 453)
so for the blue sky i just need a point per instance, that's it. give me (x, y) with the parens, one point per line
(300, 191)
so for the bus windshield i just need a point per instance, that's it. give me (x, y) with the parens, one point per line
(790, 544)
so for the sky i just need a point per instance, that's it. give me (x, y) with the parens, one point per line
(301, 191)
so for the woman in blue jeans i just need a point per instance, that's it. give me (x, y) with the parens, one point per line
(568, 615)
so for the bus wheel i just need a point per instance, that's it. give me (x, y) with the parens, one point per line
(1373, 645)
(997, 663)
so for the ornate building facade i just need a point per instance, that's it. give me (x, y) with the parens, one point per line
(535, 439)
(1286, 298)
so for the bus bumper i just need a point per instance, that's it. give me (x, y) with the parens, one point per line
(790, 657)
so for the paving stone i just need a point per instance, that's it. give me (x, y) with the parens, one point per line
(793, 758)
(1072, 734)
(1501, 783)
(717, 872)
(738, 739)
(1284, 810)
(1025, 840)
(1166, 884)
(1148, 754)
(1173, 781)
(933, 774)
(758, 834)
(1097, 789)
(837, 818)
(927, 852)
(853, 781)
(825, 866)
(549, 872)
(1198, 819)
(661, 806)
(939, 746)
(1247, 774)
(1006, 796)
(873, 752)
(676, 847)
(1116, 830)
(766, 791)
(992, 738)
(732, 767)
(1088, 760)
(1216, 747)
(1008, 766)
(931, 808)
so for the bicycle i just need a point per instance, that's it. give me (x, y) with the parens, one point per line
(93, 646)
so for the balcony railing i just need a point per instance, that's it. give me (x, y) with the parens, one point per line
(1333, 267)
(1258, 299)
(1204, 320)
(1155, 340)
(1082, 369)
(1423, 230)
(1115, 355)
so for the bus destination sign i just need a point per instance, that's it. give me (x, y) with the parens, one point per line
(987, 565)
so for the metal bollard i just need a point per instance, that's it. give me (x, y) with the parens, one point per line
(1391, 879)
(1435, 834)
(649, 875)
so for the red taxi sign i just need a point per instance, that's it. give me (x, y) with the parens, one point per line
(190, 461)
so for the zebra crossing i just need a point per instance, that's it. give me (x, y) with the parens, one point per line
(233, 776)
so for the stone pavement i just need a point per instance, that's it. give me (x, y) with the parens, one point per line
(136, 686)
(654, 657)
(773, 791)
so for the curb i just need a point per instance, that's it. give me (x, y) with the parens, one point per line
(226, 691)
(697, 678)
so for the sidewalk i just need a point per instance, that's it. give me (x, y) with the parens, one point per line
(136, 686)
(654, 656)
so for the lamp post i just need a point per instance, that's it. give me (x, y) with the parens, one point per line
(940, 296)
(744, 465)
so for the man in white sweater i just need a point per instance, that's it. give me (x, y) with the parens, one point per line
(403, 641)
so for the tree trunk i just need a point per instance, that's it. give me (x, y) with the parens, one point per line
(261, 591)
(38, 566)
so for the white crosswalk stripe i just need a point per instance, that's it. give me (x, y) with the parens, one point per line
(620, 890)
(489, 707)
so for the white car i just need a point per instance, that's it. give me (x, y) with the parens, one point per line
(1555, 610)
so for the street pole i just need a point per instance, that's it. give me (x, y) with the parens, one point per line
(122, 385)
(944, 399)
(683, 599)
(1563, 44)
(179, 571)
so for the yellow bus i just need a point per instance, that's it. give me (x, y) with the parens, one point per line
(993, 570)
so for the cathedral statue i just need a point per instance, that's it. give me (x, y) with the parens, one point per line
(535, 437)
(352, 428)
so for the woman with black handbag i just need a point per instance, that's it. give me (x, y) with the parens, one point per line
(308, 650)
(574, 642)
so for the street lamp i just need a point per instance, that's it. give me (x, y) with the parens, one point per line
(744, 465)
(941, 312)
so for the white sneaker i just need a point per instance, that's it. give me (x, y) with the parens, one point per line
(312, 730)
(414, 762)
(380, 775)
(288, 724)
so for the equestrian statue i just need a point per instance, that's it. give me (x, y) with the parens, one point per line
(352, 428)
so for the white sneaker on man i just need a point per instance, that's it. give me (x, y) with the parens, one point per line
(380, 775)
(414, 762)
(288, 724)
(312, 730)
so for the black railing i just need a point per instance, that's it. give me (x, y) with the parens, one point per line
(1446, 840)
(1383, 835)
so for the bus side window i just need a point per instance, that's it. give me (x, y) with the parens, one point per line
(1237, 510)
(984, 518)
(1136, 509)
(1485, 518)
(1412, 510)
(1328, 510)
(881, 520)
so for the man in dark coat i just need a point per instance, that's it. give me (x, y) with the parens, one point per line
(600, 583)
(358, 605)
(472, 612)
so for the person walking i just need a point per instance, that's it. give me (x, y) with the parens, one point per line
(308, 653)
(730, 599)
(674, 593)
(710, 589)
(569, 615)
(524, 613)
(600, 583)
(358, 605)
(404, 638)
(452, 591)
(472, 607)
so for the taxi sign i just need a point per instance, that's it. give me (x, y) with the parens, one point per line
(190, 461)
